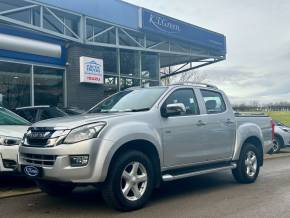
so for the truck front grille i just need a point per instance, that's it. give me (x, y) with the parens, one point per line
(39, 159)
(37, 137)
(43, 137)
(37, 142)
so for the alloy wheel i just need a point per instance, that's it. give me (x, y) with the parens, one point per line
(251, 163)
(275, 146)
(134, 181)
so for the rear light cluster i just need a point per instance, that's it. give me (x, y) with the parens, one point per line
(273, 129)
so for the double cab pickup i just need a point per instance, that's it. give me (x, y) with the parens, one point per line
(134, 140)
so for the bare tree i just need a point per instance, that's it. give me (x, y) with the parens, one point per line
(192, 76)
(188, 76)
(167, 80)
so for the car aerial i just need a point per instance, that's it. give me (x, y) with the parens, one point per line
(282, 137)
(12, 130)
(37, 113)
(131, 142)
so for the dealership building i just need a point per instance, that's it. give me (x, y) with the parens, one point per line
(75, 53)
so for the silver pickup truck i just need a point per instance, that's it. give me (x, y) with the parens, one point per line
(132, 141)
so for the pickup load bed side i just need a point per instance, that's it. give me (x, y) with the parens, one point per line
(135, 139)
(264, 131)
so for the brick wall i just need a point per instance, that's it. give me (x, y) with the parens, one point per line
(81, 95)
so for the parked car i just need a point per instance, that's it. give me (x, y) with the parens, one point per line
(282, 137)
(135, 139)
(12, 130)
(37, 113)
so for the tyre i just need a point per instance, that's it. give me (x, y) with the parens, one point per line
(54, 188)
(277, 144)
(130, 181)
(248, 166)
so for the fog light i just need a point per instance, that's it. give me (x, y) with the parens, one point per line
(79, 160)
(10, 164)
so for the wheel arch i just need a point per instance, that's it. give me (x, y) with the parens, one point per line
(146, 147)
(248, 133)
(280, 137)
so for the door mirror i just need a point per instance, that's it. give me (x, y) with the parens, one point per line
(174, 109)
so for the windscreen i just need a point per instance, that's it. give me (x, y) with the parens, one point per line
(130, 101)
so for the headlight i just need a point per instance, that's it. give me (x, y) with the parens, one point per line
(84, 133)
(9, 141)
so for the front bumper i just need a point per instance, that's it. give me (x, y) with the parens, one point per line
(59, 168)
(8, 158)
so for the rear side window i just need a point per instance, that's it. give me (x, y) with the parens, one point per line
(185, 96)
(214, 102)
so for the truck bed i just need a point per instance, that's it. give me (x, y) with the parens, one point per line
(263, 121)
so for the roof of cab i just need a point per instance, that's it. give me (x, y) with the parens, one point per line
(33, 107)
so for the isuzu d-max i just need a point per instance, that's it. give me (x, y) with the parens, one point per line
(135, 139)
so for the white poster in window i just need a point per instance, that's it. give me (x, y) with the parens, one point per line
(91, 70)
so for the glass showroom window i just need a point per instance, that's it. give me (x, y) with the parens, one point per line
(129, 63)
(109, 57)
(136, 38)
(129, 82)
(48, 86)
(111, 85)
(94, 28)
(150, 66)
(51, 23)
(15, 85)
(148, 83)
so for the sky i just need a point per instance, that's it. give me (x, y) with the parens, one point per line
(257, 67)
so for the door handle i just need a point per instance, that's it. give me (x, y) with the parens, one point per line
(201, 123)
(229, 122)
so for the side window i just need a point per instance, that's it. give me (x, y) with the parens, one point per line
(214, 102)
(185, 96)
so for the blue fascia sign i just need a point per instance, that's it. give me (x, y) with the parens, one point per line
(31, 57)
(158, 23)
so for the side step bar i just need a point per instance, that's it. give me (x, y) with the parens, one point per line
(169, 177)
